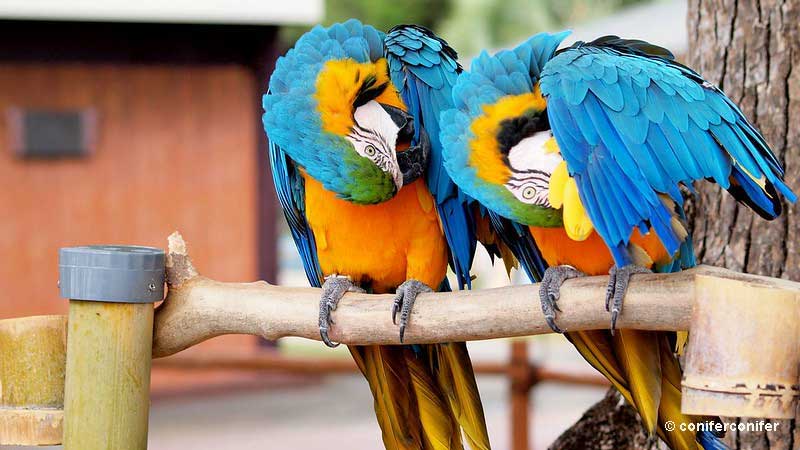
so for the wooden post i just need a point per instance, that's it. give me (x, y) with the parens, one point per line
(743, 357)
(109, 344)
(520, 372)
(32, 356)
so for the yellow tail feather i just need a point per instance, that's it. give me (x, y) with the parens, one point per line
(670, 408)
(394, 401)
(439, 429)
(641, 359)
(457, 380)
(424, 398)
(639, 354)
(596, 348)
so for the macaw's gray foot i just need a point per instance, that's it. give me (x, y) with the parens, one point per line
(618, 280)
(333, 290)
(550, 291)
(404, 298)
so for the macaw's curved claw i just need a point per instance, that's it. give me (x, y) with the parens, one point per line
(618, 280)
(323, 332)
(550, 291)
(405, 296)
(333, 290)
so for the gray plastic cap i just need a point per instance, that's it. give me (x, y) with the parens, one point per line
(112, 273)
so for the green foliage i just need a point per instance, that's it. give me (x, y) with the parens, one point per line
(382, 14)
(468, 25)
(477, 24)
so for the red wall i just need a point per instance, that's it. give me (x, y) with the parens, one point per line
(175, 150)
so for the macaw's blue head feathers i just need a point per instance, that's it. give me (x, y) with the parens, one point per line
(419, 51)
(628, 46)
(424, 69)
(333, 109)
(498, 131)
(538, 49)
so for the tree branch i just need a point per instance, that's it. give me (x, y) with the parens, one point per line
(198, 308)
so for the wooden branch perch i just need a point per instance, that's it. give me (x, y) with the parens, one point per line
(198, 308)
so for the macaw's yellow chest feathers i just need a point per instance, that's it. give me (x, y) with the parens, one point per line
(379, 246)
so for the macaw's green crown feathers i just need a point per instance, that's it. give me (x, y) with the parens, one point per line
(332, 79)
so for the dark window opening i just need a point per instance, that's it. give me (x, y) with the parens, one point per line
(51, 133)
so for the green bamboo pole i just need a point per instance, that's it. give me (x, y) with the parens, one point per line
(32, 355)
(109, 344)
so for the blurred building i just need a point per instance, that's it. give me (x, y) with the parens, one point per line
(121, 122)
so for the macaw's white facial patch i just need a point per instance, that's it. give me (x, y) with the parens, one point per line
(531, 167)
(374, 136)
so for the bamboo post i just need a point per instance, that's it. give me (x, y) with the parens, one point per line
(32, 358)
(109, 344)
(743, 357)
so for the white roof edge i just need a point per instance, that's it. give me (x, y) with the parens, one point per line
(660, 22)
(230, 12)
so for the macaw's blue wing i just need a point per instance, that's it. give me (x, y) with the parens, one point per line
(423, 68)
(519, 240)
(291, 195)
(632, 123)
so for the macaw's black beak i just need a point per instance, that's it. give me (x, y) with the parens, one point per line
(399, 117)
(414, 159)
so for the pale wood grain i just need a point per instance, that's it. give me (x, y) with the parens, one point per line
(198, 308)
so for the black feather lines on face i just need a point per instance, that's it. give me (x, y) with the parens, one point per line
(513, 130)
(368, 90)
(368, 136)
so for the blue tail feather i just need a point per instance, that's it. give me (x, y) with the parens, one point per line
(710, 441)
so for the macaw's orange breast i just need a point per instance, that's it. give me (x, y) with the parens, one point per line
(378, 246)
(591, 256)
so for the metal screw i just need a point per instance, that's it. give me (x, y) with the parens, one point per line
(152, 287)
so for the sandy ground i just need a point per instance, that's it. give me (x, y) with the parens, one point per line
(337, 413)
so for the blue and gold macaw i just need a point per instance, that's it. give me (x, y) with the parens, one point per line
(348, 145)
(425, 69)
(586, 150)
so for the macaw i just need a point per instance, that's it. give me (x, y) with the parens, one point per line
(587, 149)
(348, 152)
(425, 68)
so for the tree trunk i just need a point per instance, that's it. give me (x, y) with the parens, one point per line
(609, 424)
(751, 49)
(748, 48)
